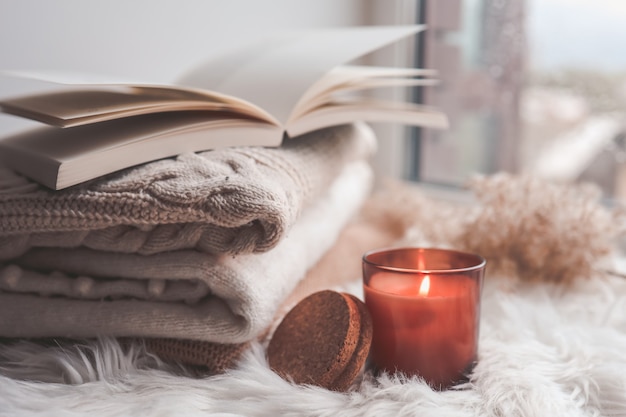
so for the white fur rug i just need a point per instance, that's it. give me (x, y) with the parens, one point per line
(544, 351)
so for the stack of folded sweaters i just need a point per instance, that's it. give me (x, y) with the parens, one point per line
(194, 255)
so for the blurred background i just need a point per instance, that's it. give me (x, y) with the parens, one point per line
(535, 86)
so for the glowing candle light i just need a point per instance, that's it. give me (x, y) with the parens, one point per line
(425, 286)
(425, 307)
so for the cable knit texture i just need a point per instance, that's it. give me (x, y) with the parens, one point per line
(137, 277)
(236, 200)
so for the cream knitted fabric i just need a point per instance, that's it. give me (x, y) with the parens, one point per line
(239, 200)
(182, 294)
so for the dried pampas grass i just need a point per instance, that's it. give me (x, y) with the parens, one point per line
(525, 227)
(537, 230)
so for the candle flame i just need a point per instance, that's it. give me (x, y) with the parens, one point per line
(425, 286)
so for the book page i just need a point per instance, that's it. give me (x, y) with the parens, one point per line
(68, 100)
(339, 77)
(348, 79)
(275, 74)
(59, 158)
(68, 144)
(345, 111)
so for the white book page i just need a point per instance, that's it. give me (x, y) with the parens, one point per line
(277, 73)
(71, 99)
(346, 111)
(355, 85)
(343, 76)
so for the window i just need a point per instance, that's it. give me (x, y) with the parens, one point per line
(535, 86)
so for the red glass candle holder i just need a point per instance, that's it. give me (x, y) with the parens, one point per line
(425, 308)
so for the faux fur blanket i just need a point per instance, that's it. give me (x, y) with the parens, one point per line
(551, 343)
(543, 351)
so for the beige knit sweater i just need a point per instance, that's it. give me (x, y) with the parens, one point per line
(203, 247)
(236, 200)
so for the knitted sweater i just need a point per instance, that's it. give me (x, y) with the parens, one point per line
(233, 200)
(177, 248)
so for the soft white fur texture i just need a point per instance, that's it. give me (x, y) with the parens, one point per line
(545, 350)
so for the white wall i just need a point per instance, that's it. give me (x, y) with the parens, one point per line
(151, 39)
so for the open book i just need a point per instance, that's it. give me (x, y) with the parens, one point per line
(255, 96)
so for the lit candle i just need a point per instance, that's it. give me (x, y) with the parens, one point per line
(425, 308)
